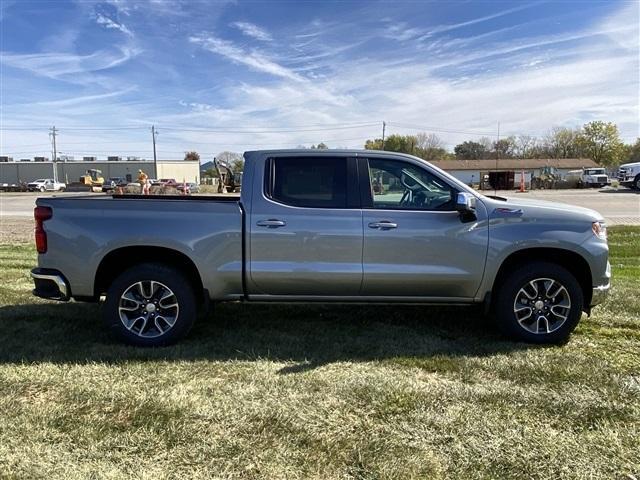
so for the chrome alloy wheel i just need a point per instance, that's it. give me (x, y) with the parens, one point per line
(148, 309)
(542, 306)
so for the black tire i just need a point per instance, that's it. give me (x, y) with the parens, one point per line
(636, 183)
(509, 291)
(168, 278)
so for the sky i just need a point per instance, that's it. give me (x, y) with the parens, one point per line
(235, 75)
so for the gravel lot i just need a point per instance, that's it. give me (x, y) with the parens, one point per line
(619, 207)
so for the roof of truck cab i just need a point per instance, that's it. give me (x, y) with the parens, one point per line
(312, 151)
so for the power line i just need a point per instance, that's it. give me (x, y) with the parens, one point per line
(436, 129)
(221, 129)
(251, 132)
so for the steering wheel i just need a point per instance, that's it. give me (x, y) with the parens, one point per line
(405, 179)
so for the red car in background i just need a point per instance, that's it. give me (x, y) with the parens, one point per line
(167, 182)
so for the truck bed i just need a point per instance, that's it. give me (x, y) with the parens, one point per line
(84, 230)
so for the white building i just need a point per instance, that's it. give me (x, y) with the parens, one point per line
(69, 172)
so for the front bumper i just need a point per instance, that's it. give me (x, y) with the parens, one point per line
(50, 284)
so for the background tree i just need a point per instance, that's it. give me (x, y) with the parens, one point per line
(601, 142)
(375, 144)
(233, 159)
(525, 146)
(428, 141)
(633, 152)
(430, 147)
(562, 142)
(192, 156)
(470, 150)
(505, 147)
(320, 146)
(393, 143)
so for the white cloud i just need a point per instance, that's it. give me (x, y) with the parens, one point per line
(67, 66)
(112, 24)
(254, 31)
(446, 28)
(252, 59)
(78, 100)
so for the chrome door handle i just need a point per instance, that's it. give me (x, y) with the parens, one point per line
(383, 225)
(271, 223)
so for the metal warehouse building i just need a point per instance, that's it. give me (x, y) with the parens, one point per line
(13, 172)
(504, 174)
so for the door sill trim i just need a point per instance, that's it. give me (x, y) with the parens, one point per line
(361, 299)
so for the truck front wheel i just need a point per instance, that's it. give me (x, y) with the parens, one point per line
(150, 305)
(539, 303)
(636, 182)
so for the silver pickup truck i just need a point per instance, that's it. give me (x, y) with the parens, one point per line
(324, 226)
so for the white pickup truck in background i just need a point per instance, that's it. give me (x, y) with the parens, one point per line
(629, 175)
(46, 185)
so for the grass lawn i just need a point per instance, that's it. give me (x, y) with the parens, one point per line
(319, 392)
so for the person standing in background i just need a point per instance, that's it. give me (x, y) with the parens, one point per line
(143, 180)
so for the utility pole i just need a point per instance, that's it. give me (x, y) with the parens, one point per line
(384, 127)
(53, 134)
(155, 159)
(495, 184)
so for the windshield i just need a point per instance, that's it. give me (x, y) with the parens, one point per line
(595, 171)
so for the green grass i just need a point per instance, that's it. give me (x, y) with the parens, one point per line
(319, 392)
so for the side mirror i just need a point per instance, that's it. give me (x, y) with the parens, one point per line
(466, 203)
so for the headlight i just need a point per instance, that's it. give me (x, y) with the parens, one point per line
(599, 230)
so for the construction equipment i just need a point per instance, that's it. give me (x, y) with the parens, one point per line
(227, 179)
(92, 178)
(548, 178)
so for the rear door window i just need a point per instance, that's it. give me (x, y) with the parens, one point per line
(312, 182)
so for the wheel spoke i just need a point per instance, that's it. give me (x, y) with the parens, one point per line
(558, 314)
(133, 322)
(546, 324)
(552, 294)
(534, 286)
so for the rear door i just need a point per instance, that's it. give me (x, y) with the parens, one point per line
(415, 243)
(305, 228)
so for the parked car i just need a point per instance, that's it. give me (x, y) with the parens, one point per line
(168, 182)
(188, 187)
(46, 185)
(629, 175)
(13, 187)
(112, 183)
(308, 227)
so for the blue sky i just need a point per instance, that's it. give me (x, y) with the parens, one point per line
(236, 75)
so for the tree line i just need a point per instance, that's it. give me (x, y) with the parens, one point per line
(597, 140)
(600, 141)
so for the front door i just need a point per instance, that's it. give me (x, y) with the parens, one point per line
(305, 228)
(415, 243)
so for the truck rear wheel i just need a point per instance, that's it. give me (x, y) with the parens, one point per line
(539, 303)
(150, 305)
